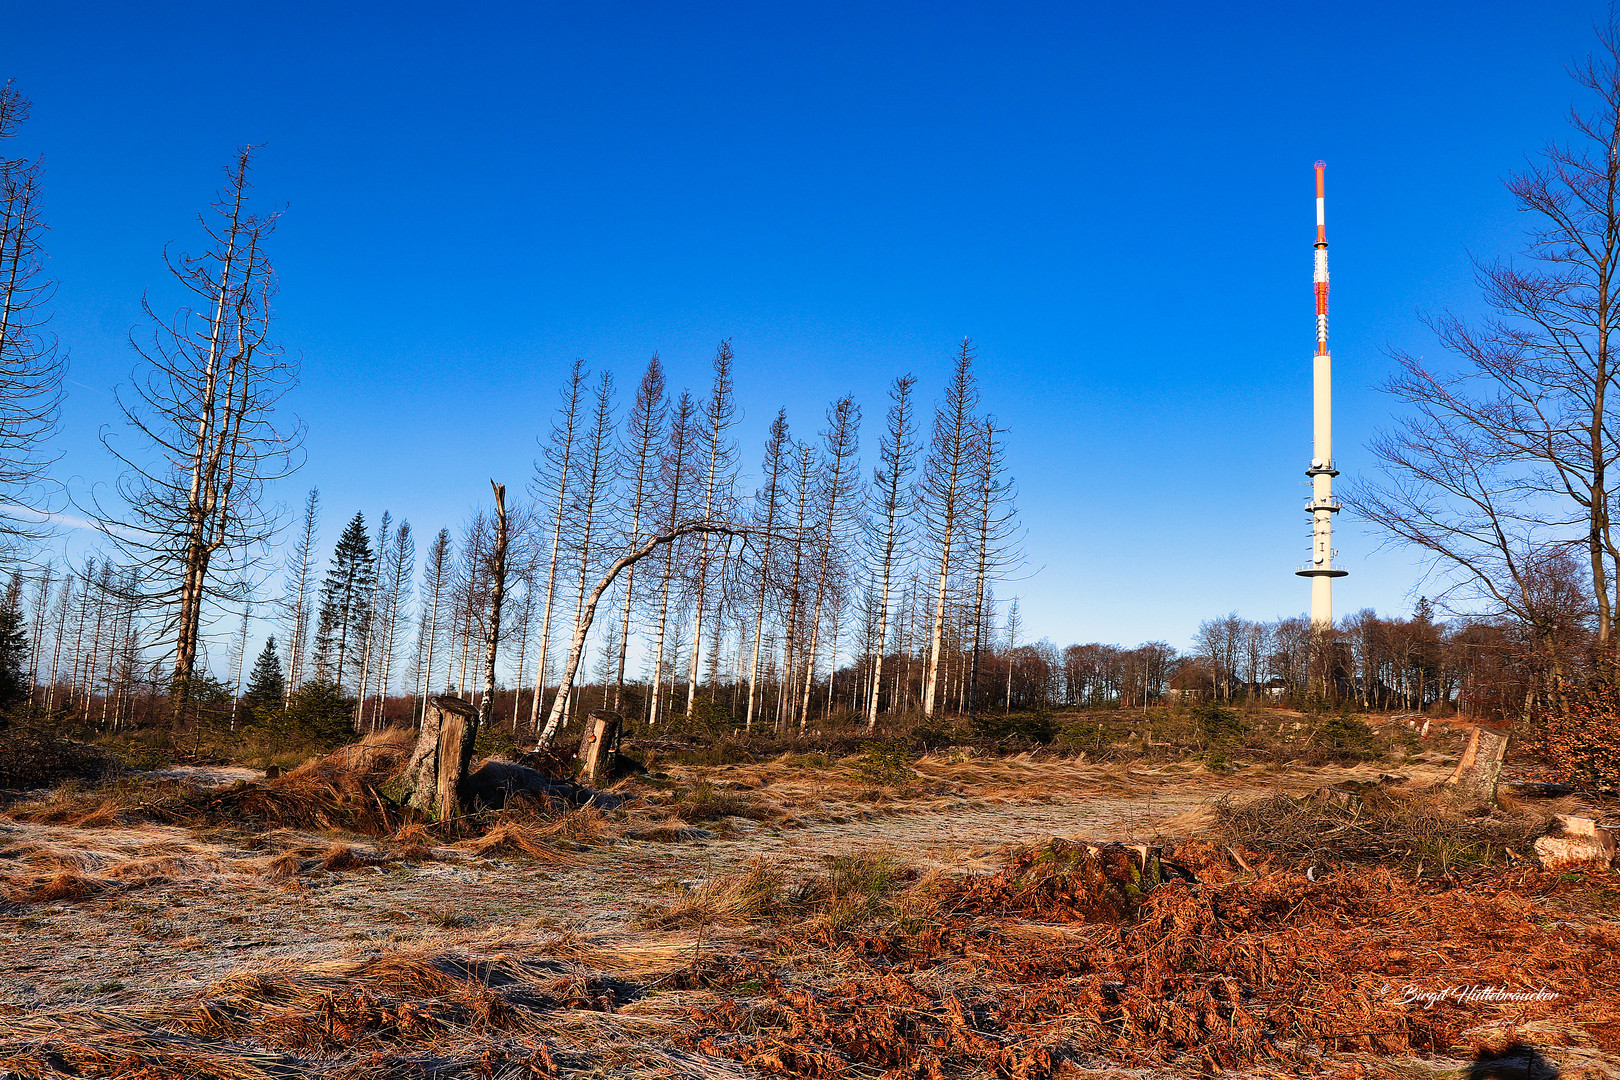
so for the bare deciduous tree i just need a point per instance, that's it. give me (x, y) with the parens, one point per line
(1509, 453)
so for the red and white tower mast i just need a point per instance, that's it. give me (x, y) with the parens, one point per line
(1322, 506)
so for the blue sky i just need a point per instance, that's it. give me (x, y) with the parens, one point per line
(1114, 201)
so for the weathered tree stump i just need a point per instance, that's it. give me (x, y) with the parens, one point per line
(433, 779)
(598, 747)
(1479, 767)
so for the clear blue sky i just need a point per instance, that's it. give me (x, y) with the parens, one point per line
(1113, 200)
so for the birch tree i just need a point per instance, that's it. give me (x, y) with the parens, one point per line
(661, 540)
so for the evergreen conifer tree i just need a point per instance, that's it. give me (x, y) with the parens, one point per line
(266, 683)
(15, 685)
(345, 605)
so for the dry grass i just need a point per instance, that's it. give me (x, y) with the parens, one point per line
(1410, 829)
(726, 898)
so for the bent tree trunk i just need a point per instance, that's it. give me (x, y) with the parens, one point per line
(582, 626)
(432, 781)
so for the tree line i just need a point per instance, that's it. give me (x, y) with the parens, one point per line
(755, 595)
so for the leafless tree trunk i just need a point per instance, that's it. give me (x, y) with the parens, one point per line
(31, 367)
(674, 479)
(767, 508)
(993, 529)
(640, 456)
(838, 487)
(497, 597)
(554, 480)
(588, 613)
(593, 495)
(719, 456)
(295, 605)
(943, 491)
(193, 514)
(897, 456)
(437, 570)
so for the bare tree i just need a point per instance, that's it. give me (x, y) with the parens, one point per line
(897, 455)
(768, 509)
(31, 366)
(497, 597)
(582, 626)
(550, 487)
(945, 492)
(991, 538)
(593, 494)
(638, 458)
(193, 513)
(300, 587)
(837, 517)
(1510, 452)
(436, 574)
(674, 483)
(718, 456)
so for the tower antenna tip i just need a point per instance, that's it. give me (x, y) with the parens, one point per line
(1321, 164)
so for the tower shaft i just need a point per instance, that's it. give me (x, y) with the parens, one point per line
(1322, 505)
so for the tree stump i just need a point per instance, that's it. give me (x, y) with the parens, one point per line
(599, 746)
(433, 778)
(1479, 767)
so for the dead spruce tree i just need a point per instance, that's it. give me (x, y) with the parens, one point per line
(592, 502)
(717, 457)
(837, 519)
(891, 481)
(435, 576)
(944, 492)
(638, 459)
(551, 488)
(202, 409)
(769, 508)
(992, 533)
(31, 366)
(674, 484)
(299, 575)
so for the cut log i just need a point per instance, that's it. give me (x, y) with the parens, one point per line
(599, 746)
(1479, 767)
(433, 779)
(1581, 842)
